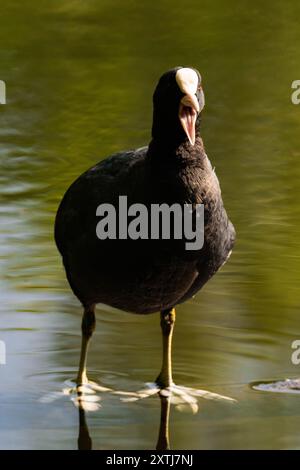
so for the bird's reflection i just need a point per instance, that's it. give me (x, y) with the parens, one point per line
(84, 439)
(163, 442)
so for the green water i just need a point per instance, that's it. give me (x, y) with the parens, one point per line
(79, 78)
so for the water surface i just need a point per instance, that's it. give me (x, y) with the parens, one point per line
(80, 77)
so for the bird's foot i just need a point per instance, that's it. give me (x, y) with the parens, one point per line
(85, 394)
(183, 398)
(88, 395)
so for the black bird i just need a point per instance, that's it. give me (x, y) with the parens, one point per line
(146, 275)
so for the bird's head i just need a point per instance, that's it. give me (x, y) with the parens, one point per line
(177, 103)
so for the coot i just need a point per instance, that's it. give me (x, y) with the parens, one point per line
(146, 275)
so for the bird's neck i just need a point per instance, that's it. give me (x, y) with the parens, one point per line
(176, 155)
(174, 174)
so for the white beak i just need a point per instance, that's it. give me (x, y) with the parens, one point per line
(188, 111)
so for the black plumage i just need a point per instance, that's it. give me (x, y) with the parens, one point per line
(145, 276)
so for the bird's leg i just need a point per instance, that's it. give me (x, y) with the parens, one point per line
(177, 395)
(167, 320)
(87, 327)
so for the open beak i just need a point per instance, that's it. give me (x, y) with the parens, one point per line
(188, 111)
